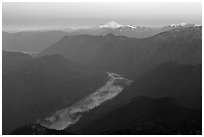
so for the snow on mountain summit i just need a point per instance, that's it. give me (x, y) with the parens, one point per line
(111, 24)
(115, 25)
(179, 24)
(183, 24)
(131, 26)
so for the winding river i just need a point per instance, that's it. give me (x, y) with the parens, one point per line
(67, 116)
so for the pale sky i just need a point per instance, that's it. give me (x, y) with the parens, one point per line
(75, 15)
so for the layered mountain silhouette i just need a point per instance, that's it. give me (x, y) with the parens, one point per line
(128, 55)
(145, 115)
(14, 61)
(163, 97)
(132, 31)
(35, 41)
(120, 30)
(141, 116)
(180, 82)
(30, 41)
(42, 85)
(179, 25)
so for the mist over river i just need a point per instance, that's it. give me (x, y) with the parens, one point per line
(68, 116)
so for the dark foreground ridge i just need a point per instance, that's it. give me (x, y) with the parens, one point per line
(37, 129)
(142, 116)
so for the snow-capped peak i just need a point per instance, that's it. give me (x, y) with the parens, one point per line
(131, 26)
(183, 24)
(179, 24)
(111, 24)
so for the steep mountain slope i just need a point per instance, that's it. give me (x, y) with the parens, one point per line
(43, 86)
(183, 82)
(128, 55)
(145, 115)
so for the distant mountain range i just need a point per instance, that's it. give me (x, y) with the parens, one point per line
(35, 41)
(131, 56)
(30, 41)
(164, 67)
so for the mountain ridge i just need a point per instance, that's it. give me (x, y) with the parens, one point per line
(41, 86)
(123, 55)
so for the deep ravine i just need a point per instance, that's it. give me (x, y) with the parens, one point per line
(70, 115)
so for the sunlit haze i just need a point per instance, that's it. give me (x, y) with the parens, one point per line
(82, 15)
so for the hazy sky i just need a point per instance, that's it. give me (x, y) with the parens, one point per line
(36, 15)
